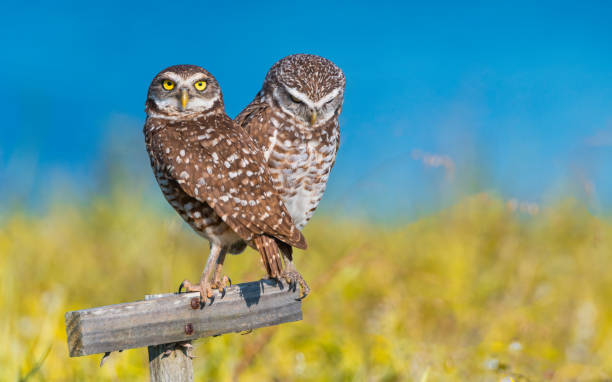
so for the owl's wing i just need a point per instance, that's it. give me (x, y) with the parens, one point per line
(216, 162)
(255, 120)
(250, 112)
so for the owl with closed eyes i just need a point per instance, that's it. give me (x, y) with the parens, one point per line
(213, 174)
(294, 122)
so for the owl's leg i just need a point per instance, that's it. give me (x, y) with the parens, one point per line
(290, 273)
(219, 282)
(204, 287)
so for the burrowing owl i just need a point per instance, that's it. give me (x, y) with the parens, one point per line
(294, 121)
(212, 173)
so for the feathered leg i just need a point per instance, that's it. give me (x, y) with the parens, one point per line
(204, 287)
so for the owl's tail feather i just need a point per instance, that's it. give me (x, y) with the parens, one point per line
(270, 256)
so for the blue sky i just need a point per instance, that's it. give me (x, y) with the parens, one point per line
(518, 96)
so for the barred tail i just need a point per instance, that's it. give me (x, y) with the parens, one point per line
(270, 256)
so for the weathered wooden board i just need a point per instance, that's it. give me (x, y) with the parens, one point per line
(178, 317)
(174, 367)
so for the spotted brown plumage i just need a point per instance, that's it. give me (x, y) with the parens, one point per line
(294, 122)
(213, 174)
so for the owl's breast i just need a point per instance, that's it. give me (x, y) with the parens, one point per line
(300, 169)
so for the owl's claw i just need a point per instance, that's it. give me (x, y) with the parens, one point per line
(294, 278)
(222, 284)
(203, 287)
(215, 260)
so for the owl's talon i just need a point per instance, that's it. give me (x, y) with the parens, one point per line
(221, 285)
(294, 278)
(202, 287)
(189, 287)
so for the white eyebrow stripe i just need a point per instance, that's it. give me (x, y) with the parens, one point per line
(194, 77)
(173, 76)
(301, 96)
(180, 80)
(328, 97)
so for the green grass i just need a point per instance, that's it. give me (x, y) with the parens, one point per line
(474, 292)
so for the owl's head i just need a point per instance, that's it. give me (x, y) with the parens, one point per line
(308, 87)
(182, 91)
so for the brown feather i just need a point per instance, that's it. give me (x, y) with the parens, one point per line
(216, 162)
(270, 255)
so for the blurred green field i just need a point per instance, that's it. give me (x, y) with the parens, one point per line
(473, 293)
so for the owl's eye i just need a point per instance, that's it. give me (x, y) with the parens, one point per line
(294, 99)
(200, 85)
(168, 85)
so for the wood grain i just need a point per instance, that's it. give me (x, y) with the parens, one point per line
(169, 362)
(173, 367)
(171, 318)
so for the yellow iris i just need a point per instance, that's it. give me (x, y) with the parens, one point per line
(294, 99)
(168, 85)
(200, 85)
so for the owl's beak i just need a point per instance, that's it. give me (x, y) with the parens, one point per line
(313, 117)
(184, 98)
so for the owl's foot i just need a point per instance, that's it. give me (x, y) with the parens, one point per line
(221, 284)
(215, 260)
(203, 287)
(293, 277)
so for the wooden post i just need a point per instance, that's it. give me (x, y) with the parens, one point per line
(171, 318)
(175, 366)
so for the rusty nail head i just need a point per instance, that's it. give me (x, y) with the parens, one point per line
(189, 329)
(195, 303)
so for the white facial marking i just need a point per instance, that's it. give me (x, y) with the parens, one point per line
(195, 104)
(322, 116)
(333, 94)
